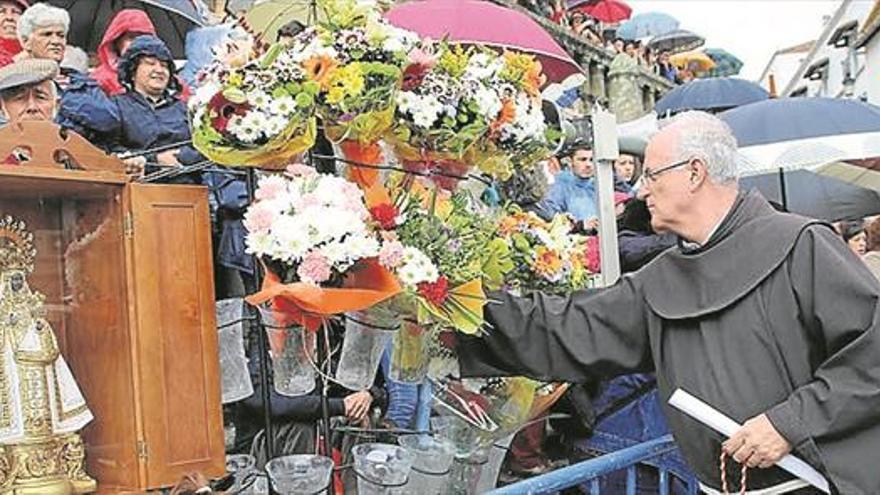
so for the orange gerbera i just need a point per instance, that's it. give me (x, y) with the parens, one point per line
(505, 116)
(319, 69)
(547, 262)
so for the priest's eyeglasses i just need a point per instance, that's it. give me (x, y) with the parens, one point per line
(650, 176)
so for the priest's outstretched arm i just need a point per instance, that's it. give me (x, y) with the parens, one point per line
(585, 335)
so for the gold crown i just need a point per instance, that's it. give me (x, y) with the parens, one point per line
(17, 251)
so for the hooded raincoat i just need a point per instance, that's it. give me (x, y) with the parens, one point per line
(146, 123)
(126, 21)
(773, 315)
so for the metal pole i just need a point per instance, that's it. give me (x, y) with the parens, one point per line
(323, 354)
(262, 343)
(605, 151)
(783, 194)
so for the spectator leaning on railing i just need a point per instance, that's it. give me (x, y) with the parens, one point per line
(151, 113)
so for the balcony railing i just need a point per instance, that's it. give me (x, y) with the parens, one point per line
(629, 93)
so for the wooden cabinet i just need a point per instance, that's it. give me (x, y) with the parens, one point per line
(126, 270)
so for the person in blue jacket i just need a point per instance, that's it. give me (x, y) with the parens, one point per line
(151, 113)
(574, 190)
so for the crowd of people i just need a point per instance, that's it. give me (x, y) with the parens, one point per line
(599, 34)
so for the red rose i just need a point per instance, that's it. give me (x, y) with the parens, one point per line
(386, 215)
(435, 292)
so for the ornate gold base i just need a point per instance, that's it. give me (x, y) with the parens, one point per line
(45, 466)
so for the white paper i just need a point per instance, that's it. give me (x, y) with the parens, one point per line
(714, 419)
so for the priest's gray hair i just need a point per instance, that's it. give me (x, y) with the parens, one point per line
(40, 15)
(705, 136)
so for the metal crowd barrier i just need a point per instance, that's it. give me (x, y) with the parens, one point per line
(589, 472)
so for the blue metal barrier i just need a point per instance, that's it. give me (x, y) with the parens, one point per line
(591, 470)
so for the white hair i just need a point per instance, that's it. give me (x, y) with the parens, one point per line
(705, 136)
(40, 15)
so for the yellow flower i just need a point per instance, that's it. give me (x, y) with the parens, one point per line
(523, 69)
(454, 60)
(344, 82)
(235, 79)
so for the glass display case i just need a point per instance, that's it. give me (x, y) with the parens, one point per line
(127, 276)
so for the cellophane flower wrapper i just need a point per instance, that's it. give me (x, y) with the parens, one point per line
(493, 407)
(261, 114)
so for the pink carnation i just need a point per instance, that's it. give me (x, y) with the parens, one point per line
(391, 254)
(259, 218)
(297, 169)
(314, 268)
(270, 188)
(418, 56)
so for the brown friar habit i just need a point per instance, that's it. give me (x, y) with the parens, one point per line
(773, 315)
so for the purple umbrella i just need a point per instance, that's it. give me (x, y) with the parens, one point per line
(475, 21)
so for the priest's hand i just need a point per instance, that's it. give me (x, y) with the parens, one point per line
(757, 444)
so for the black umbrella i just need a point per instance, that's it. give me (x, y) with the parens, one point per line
(816, 196)
(90, 18)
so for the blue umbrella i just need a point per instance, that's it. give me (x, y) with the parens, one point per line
(788, 119)
(90, 18)
(713, 95)
(647, 24)
(680, 40)
(785, 141)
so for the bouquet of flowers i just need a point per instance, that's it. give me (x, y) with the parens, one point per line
(469, 106)
(258, 114)
(545, 255)
(443, 109)
(357, 59)
(520, 132)
(312, 232)
(443, 253)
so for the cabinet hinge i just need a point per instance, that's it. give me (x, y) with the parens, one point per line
(142, 449)
(128, 225)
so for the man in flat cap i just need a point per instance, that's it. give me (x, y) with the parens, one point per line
(27, 92)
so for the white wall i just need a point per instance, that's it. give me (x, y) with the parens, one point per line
(833, 86)
(871, 76)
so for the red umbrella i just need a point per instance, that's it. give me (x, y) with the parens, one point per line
(607, 11)
(475, 21)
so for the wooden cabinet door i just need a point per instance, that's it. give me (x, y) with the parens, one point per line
(176, 334)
